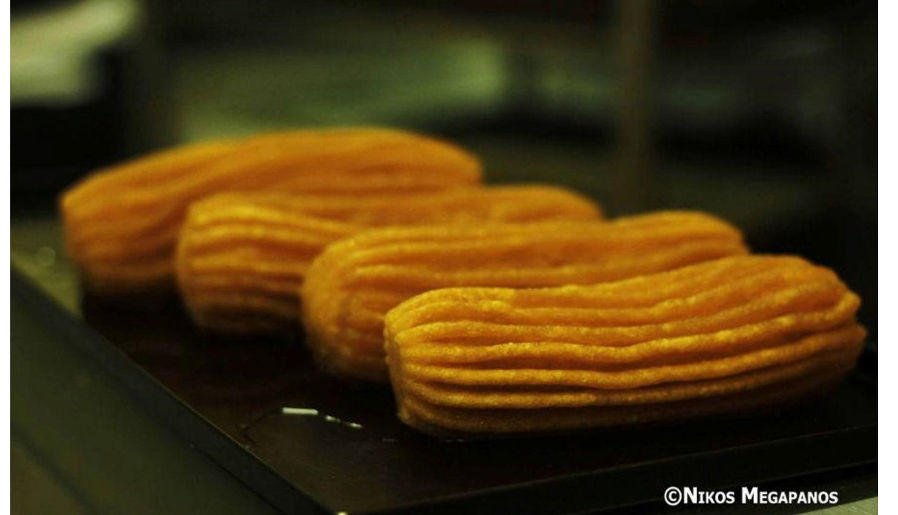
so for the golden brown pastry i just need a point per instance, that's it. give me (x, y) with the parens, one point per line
(740, 333)
(121, 223)
(241, 257)
(350, 286)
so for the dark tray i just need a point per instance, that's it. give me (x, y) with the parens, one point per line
(345, 451)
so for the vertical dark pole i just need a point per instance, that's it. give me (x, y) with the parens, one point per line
(635, 142)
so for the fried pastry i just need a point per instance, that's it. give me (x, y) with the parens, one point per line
(241, 257)
(121, 223)
(350, 286)
(737, 334)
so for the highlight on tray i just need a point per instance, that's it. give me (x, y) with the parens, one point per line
(121, 223)
(241, 257)
(354, 282)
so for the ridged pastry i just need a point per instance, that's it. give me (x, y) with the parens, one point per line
(241, 257)
(737, 334)
(121, 223)
(350, 286)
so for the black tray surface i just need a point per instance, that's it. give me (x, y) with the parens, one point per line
(304, 440)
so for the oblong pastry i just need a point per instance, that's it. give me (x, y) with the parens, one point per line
(736, 334)
(121, 223)
(241, 257)
(350, 286)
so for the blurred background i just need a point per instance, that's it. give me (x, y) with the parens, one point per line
(760, 111)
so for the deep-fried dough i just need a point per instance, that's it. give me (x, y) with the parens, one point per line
(241, 257)
(351, 285)
(734, 334)
(121, 223)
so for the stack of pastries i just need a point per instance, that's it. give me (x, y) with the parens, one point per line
(489, 309)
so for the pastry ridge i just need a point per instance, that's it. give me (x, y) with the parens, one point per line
(738, 333)
(259, 245)
(121, 223)
(398, 263)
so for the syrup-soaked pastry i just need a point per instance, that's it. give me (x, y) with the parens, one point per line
(737, 334)
(350, 287)
(121, 223)
(241, 257)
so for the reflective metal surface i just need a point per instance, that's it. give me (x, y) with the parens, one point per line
(340, 444)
